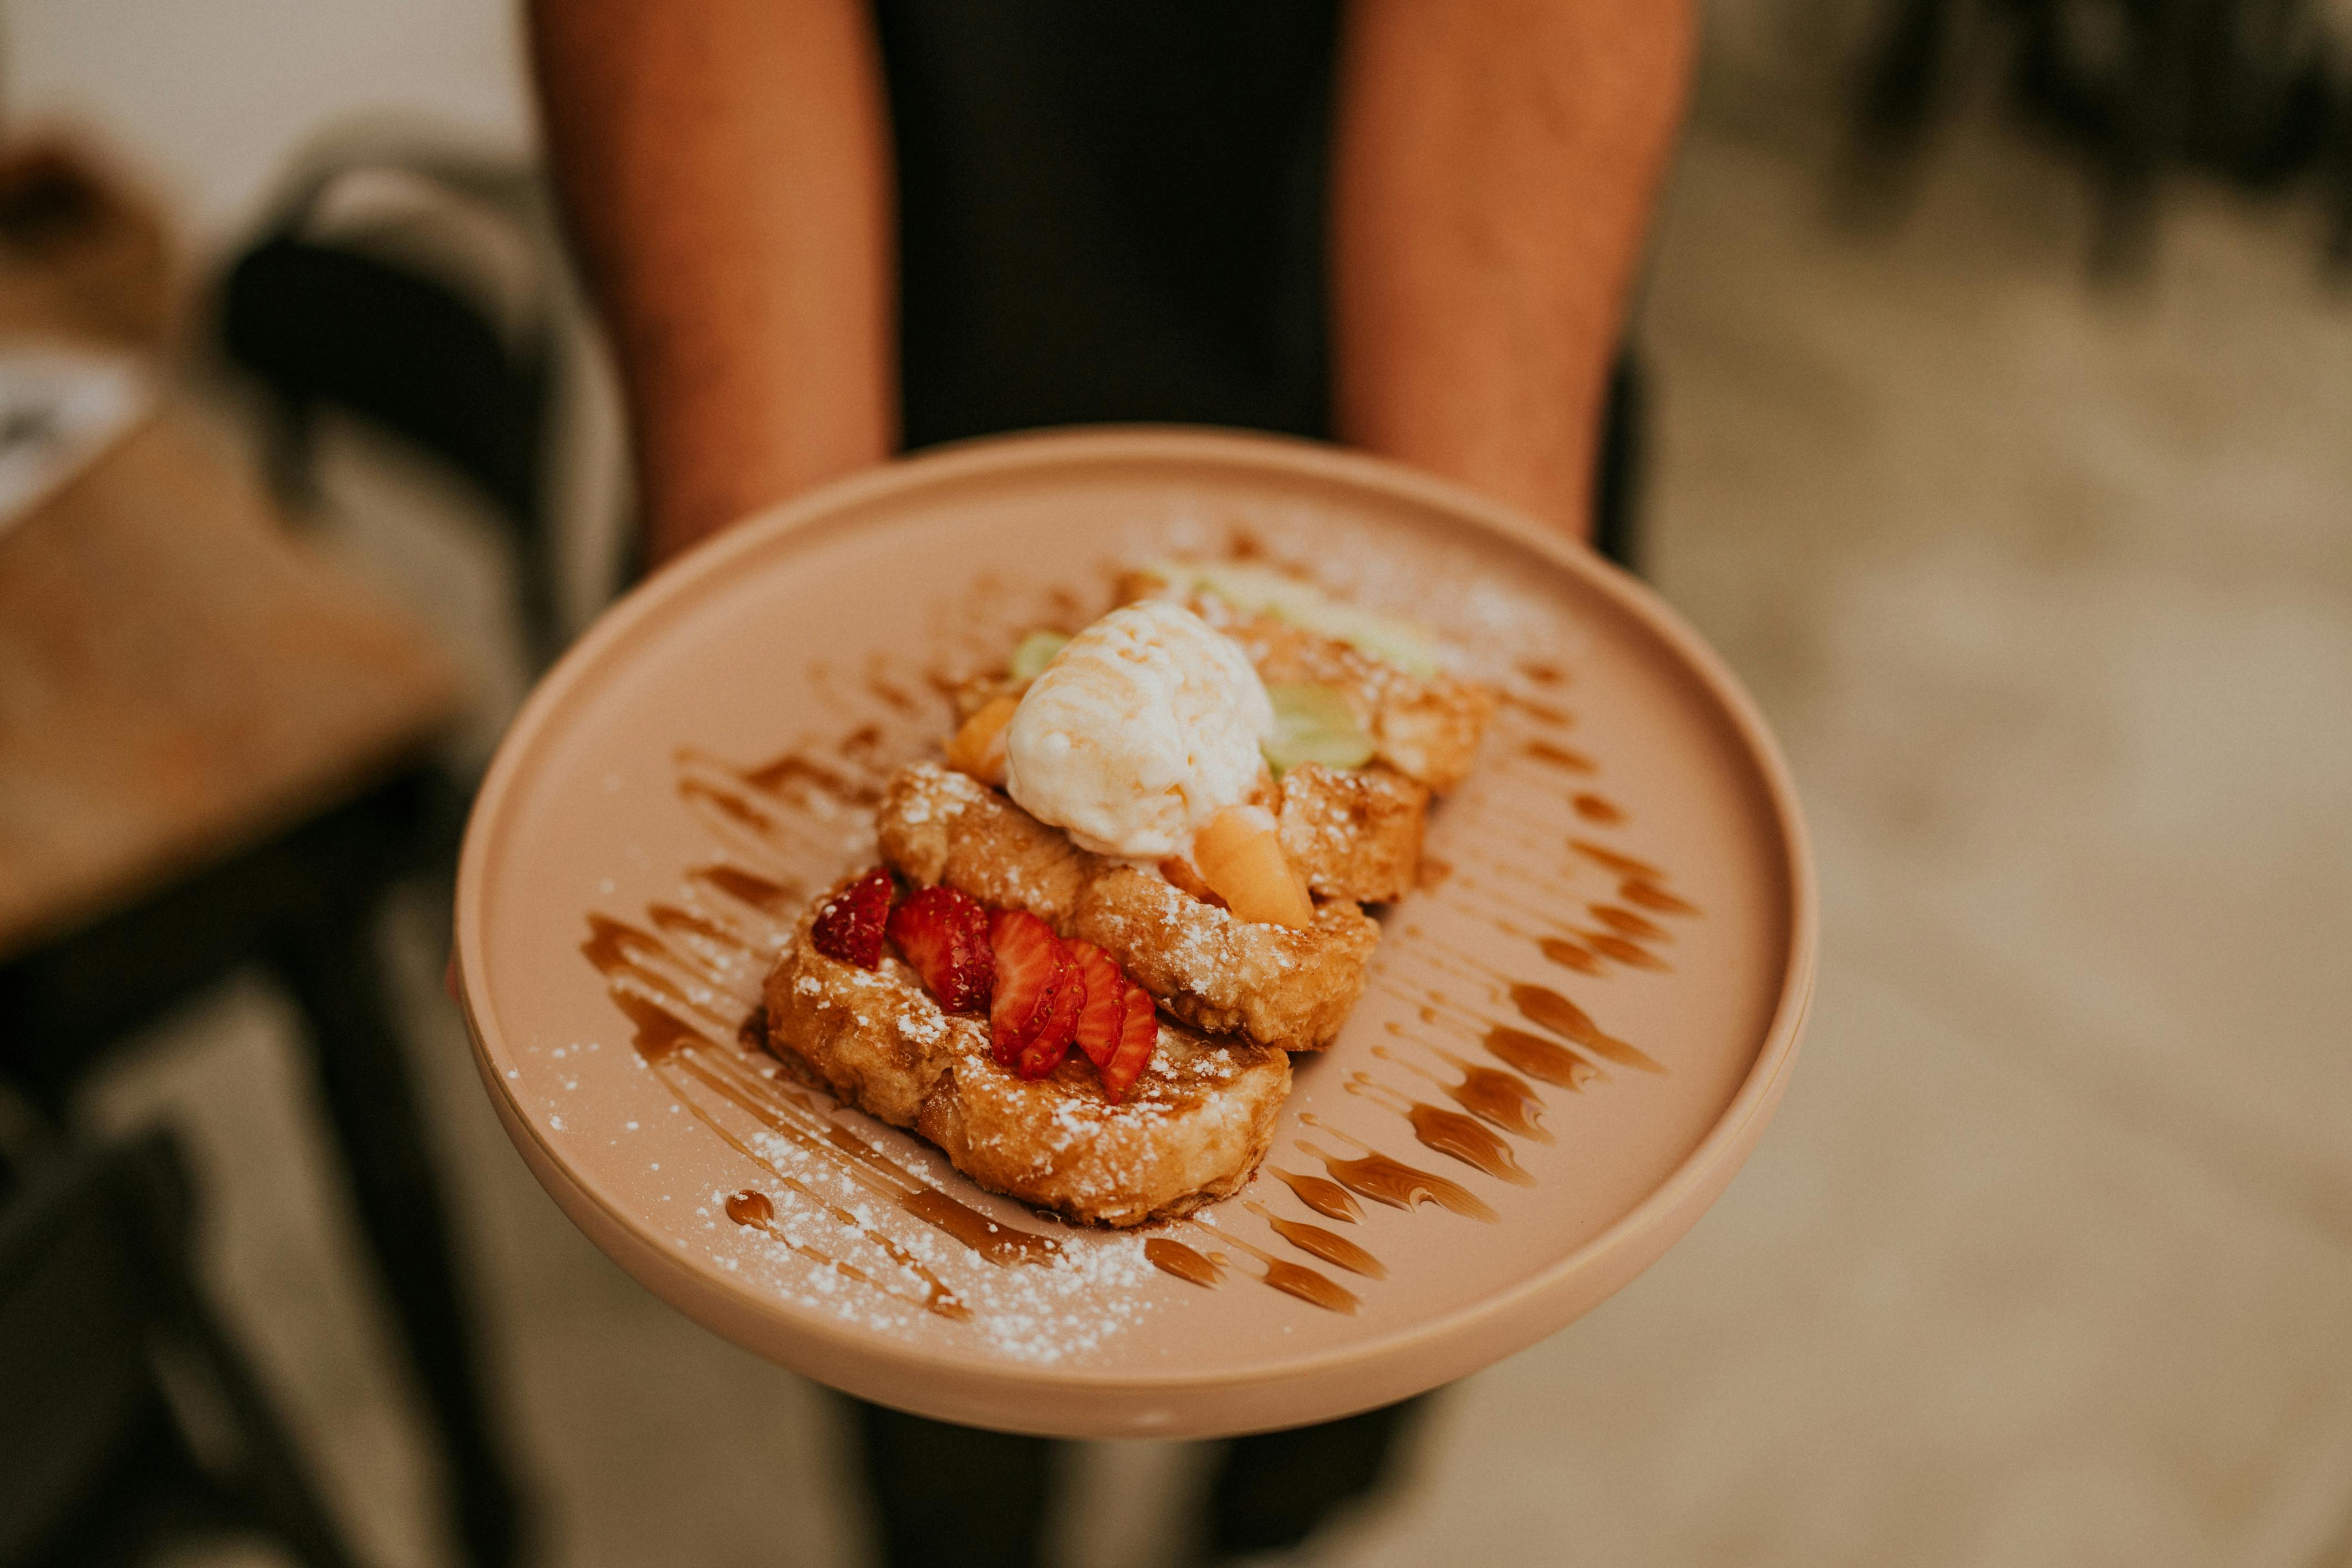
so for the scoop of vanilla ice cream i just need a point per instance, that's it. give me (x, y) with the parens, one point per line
(1139, 731)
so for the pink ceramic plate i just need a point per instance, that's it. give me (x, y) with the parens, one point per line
(1573, 1035)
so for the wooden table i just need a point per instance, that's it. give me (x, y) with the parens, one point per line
(181, 680)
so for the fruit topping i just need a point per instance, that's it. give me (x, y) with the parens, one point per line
(1098, 1020)
(943, 936)
(1038, 993)
(1262, 591)
(1052, 1041)
(978, 748)
(1139, 1032)
(1119, 1024)
(1240, 856)
(1033, 653)
(849, 925)
(1184, 879)
(1314, 723)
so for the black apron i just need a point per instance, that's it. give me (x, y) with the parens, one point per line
(1111, 210)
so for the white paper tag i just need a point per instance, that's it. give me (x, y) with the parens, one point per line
(61, 406)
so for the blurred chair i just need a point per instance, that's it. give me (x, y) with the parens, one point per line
(216, 753)
(425, 290)
(128, 1418)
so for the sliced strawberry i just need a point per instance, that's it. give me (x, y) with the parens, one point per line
(1032, 971)
(850, 923)
(1139, 1032)
(1098, 1020)
(1051, 1043)
(943, 934)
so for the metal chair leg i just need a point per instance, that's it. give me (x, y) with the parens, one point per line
(280, 1495)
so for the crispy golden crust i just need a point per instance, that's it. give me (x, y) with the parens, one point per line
(1280, 987)
(1427, 729)
(1190, 1130)
(936, 824)
(1353, 833)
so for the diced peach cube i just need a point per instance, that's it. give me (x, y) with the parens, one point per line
(1240, 856)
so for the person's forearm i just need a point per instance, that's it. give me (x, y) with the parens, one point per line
(1494, 166)
(724, 170)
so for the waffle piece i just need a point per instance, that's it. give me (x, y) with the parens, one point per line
(1279, 986)
(1190, 1130)
(1426, 727)
(1353, 833)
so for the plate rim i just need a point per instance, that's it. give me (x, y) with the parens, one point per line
(1727, 1140)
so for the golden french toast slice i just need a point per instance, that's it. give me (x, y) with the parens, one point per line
(1353, 833)
(1190, 1128)
(1426, 727)
(1279, 987)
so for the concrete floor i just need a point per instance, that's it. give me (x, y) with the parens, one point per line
(2048, 1258)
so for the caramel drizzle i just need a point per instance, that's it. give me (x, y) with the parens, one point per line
(1571, 947)
(1583, 954)
(1650, 895)
(1448, 1131)
(1632, 954)
(1206, 1269)
(1569, 955)
(1392, 1182)
(1554, 755)
(1533, 1054)
(1552, 1063)
(772, 900)
(1327, 1198)
(1492, 893)
(1625, 922)
(1547, 1009)
(1313, 1239)
(756, 1211)
(787, 816)
(1462, 964)
(1540, 1004)
(1460, 1021)
(1525, 842)
(1170, 1257)
(1489, 1093)
(1290, 1279)
(1539, 1058)
(1584, 950)
(1539, 710)
(1596, 808)
(1625, 865)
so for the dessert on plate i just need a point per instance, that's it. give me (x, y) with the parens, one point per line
(1132, 889)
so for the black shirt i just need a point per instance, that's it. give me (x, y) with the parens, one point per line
(1111, 210)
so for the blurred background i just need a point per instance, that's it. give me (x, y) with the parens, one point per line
(1998, 428)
